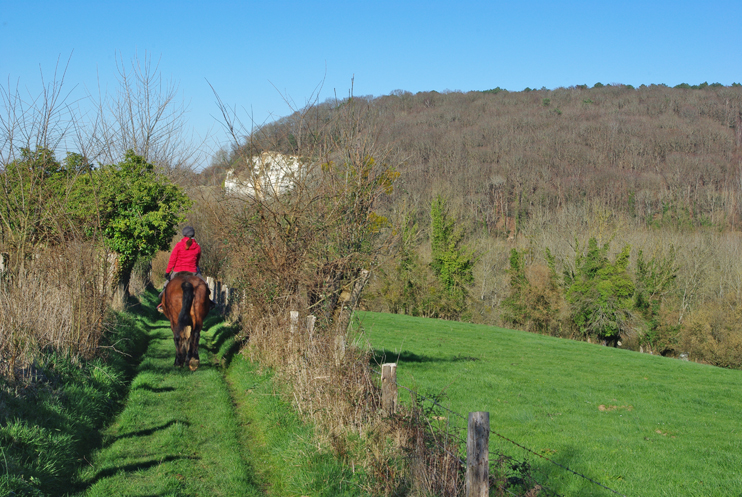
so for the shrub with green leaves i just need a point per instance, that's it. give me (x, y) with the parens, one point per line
(535, 295)
(453, 263)
(514, 306)
(655, 278)
(601, 292)
(140, 210)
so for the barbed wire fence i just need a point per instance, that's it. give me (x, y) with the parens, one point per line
(522, 480)
(515, 477)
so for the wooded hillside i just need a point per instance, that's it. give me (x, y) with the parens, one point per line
(641, 151)
(648, 152)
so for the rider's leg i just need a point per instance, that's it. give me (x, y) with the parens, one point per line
(159, 306)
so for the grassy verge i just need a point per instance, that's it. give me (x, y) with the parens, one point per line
(291, 463)
(641, 424)
(49, 425)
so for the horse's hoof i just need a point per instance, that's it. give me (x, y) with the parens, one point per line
(193, 364)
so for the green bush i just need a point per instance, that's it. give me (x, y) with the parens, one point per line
(601, 293)
(654, 279)
(535, 296)
(453, 263)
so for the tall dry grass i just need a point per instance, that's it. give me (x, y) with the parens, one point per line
(329, 378)
(60, 302)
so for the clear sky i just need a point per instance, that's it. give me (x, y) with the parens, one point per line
(257, 53)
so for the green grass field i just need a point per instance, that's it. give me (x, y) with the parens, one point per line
(642, 425)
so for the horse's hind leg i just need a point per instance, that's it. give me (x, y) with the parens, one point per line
(193, 359)
(180, 348)
(178, 355)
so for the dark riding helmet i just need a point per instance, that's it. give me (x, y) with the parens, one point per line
(189, 231)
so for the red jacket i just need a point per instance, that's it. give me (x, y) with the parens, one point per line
(184, 259)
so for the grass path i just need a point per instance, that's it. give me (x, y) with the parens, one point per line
(178, 434)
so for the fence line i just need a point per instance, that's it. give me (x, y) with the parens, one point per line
(223, 296)
(556, 463)
(483, 477)
(436, 403)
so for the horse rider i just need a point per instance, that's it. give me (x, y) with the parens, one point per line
(185, 257)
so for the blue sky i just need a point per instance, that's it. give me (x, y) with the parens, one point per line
(256, 53)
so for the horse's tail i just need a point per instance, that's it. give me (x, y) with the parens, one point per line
(184, 318)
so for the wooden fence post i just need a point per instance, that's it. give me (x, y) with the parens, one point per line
(212, 288)
(339, 349)
(293, 322)
(310, 325)
(294, 318)
(477, 454)
(389, 387)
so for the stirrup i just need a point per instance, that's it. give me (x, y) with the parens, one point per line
(159, 308)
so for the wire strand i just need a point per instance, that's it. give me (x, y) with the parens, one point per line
(504, 437)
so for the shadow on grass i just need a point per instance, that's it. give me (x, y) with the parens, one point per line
(212, 319)
(523, 470)
(382, 356)
(224, 344)
(169, 368)
(145, 305)
(153, 389)
(132, 468)
(150, 431)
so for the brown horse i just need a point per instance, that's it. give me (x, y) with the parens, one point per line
(186, 302)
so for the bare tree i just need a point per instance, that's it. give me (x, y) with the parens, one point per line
(313, 241)
(144, 115)
(35, 121)
(49, 297)
(32, 127)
